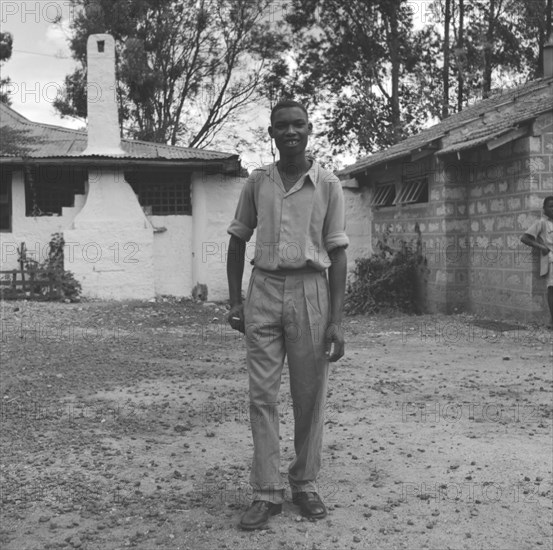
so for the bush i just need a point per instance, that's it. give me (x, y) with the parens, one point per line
(62, 284)
(388, 280)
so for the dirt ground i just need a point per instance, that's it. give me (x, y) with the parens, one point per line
(126, 426)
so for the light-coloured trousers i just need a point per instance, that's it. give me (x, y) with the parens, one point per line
(286, 315)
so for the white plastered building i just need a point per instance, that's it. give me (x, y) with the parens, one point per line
(139, 219)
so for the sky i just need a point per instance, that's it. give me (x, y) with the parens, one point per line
(41, 57)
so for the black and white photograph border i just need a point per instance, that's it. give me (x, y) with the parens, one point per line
(125, 418)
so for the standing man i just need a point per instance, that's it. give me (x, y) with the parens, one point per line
(292, 309)
(540, 236)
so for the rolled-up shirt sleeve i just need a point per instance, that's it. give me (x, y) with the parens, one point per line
(535, 229)
(245, 217)
(334, 229)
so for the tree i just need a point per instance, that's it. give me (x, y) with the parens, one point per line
(496, 43)
(378, 80)
(460, 55)
(6, 44)
(447, 20)
(185, 68)
(360, 57)
(488, 47)
(535, 17)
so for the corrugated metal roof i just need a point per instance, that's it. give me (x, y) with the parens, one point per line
(24, 138)
(472, 126)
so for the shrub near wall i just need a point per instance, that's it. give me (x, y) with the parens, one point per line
(46, 280)
(389, 280)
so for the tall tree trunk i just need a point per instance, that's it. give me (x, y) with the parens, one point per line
(545, 35)
(395, 61)
(488, 48)
(461, 56)
(542, 37)
(445, 100)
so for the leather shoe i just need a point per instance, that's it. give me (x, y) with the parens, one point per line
(311, 505)
(258, 514)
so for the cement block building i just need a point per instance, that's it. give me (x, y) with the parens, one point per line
(471, 184)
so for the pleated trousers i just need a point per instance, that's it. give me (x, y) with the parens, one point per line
(286, 316)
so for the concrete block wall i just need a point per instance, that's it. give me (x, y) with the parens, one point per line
(450, 188)
(358, 224)
(505, 195)
(471, 226)
(479, 205)
(435, 285)
(541, 167)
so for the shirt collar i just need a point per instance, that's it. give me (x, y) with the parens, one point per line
(312, 173)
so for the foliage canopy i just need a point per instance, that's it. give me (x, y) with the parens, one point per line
(185, 68)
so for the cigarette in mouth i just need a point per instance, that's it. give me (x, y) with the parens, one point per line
(235, 318)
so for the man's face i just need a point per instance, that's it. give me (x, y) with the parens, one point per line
(290, 130)
(548, 209)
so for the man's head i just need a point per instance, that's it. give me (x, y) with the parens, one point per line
(290, 127)
(548, 206)
(285, 104)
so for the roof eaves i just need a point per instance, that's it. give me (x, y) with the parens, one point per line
(162, 146)
(224, 163)
(470, 143)
(487, 138)
(447, 127)
(381, 157)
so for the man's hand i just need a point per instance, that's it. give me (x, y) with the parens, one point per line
(334, 342)
(544, 249)
(235, 318)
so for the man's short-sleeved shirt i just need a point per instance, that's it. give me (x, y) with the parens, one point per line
(543, 229)
(295, 229)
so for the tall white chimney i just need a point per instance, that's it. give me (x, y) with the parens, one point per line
(104, 137)
(111, 222)
(548, 58)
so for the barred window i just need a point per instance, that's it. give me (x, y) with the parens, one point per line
(162, 193)
(413, 191)
(49, 188)
(384, 195)
(5, 199)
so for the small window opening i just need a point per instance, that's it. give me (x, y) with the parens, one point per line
(49, 188)
(101, 44)
(162, 193)
(413, 191)
(384, 195)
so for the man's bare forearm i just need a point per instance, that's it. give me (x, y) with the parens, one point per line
(529, 240)
(337, 274)
(235, 269)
